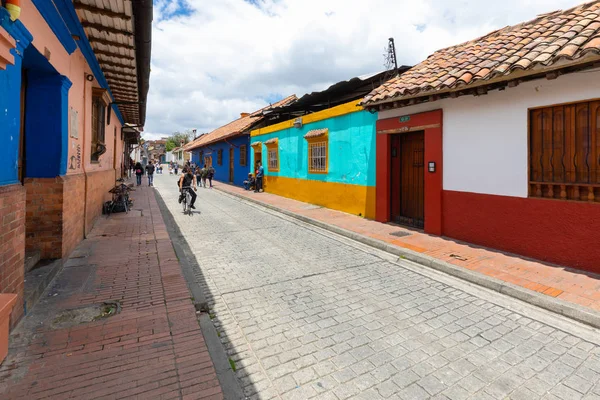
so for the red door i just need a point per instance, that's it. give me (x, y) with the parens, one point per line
(408, 179)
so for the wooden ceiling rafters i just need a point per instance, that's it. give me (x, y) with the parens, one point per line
(109, 27)
(112, 54)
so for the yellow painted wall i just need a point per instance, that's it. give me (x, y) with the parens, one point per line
(353, 199)
(336, 111)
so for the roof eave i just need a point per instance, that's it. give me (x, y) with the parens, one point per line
(587, 60)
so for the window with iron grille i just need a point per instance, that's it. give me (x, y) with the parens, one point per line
(564, 152)
(317, 157)
(273, 159)
(220, 157)
(243, 155)
(98, 128)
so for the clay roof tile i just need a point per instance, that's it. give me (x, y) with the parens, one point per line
(566, 35)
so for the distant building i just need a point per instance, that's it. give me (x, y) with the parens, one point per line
(227, 148)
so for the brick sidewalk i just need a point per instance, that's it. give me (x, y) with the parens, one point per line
(152, 349)
(571, 285)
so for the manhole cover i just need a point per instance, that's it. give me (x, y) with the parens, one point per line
(400, 234)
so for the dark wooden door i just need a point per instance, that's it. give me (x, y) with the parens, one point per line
(231, 165)
(408, 179)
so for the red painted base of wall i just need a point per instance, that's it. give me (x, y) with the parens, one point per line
(561, 232)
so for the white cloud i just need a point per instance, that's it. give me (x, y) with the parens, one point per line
(212, 59)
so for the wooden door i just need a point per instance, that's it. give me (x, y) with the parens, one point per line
(408, 179)
(231, 165)
(257, 159)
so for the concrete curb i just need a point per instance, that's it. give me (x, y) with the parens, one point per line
(570, 310)
(232, 390)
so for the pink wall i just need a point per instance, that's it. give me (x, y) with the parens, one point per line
(74, 67)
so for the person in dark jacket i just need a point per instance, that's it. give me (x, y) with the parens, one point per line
(188, 180)
(211, 175)
(259, 177)
(150, 172)
(139, 171)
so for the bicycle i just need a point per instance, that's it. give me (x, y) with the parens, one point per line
(187, 200)
(120, 199)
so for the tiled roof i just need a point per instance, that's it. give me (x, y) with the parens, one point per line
(236, 127)
(316, 133)
(571, 36)
(271, 141)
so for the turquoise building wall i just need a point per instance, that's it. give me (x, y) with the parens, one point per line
(351, 150)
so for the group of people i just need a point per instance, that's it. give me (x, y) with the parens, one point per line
(192, 177)
(255, 181)
(139, 171)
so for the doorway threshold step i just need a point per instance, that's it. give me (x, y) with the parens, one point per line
(31, 259)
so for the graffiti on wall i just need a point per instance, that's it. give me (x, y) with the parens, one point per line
(75, 160)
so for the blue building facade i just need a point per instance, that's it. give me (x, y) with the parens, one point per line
(219, 155)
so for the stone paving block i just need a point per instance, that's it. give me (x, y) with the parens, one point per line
(337, 308)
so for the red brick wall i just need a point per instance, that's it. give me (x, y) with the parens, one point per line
(44, 214)
(73, 211)
(12, 244)
(98, 185)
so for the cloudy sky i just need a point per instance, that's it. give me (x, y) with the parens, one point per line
(213, 59)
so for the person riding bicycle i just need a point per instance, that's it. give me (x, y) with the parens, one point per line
(187, 181)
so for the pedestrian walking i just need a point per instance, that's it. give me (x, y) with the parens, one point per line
(176, 167)
(139, 171)
(150, 172)
(204, 175)
(211, 175)
(259, 178)
(198, 172)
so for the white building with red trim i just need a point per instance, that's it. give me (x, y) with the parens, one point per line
(496, 141)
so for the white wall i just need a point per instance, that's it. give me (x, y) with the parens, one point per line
(485, 137)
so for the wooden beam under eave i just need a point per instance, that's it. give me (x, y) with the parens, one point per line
(124, 73)
(102, 11)
(93, 39)
(103, 61)
(117, 55)
(104, 28)
(122, 78)
(121, 84)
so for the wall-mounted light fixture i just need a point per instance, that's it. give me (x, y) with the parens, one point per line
(298, 123)
(89, 77)
(431, 166)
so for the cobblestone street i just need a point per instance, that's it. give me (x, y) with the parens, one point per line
(306, 314)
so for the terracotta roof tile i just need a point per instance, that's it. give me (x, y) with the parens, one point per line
(236, 127)
(530, 46)
(315, 133)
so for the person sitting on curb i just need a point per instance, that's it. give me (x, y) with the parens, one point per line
(249, 183)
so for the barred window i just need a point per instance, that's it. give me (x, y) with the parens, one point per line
(220, 157)
(98, 125)
(317, 157)
(273, 159)
(243, 155)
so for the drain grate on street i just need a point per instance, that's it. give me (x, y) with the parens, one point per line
(400, 234)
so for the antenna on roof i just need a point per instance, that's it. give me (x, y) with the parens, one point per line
(390, 56)
(391, 63)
